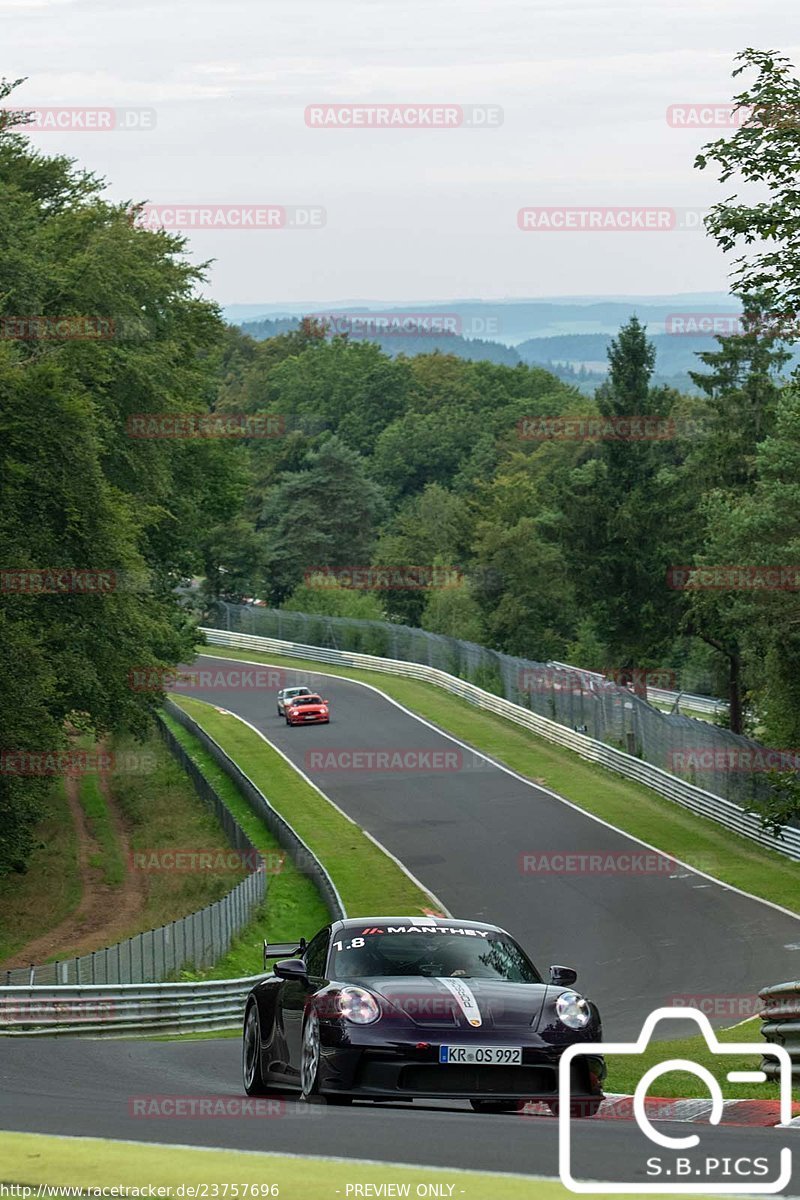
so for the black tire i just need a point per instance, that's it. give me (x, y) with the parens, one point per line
(280, 712)
(288, 722)
(254, 1083)
(310, 1057)
(496, 1106)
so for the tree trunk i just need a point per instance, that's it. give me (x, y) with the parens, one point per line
(735, 693)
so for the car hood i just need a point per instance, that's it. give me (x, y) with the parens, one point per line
(306, 708)
(456, 1003)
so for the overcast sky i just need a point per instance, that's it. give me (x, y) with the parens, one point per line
(584, 89)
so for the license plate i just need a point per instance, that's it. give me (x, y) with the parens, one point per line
(493, 1056)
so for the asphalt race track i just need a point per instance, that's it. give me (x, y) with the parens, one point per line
(88, 1088)
(637, 940)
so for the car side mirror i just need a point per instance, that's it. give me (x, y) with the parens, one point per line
(291, 968)
(563, 976)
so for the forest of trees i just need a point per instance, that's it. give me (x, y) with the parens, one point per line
(564, 545)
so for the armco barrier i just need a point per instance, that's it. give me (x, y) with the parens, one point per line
(123, 1010)
(679, 741)
(706, 804)
(781, 1017)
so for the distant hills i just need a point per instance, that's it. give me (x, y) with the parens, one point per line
(568, 335)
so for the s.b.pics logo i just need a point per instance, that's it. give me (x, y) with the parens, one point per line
(662, 1161)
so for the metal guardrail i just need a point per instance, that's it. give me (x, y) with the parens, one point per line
(702, 802)
(781, 1017)
(683, 743)
(123, 1010)
(703, 704)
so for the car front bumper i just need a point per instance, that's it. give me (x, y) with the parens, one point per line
(411, 1070)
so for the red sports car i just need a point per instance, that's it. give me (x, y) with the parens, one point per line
(302, 710)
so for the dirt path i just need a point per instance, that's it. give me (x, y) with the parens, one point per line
(104, 914)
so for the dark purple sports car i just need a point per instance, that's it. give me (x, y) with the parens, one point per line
(404, 1008)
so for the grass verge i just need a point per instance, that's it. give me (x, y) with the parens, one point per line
(631, 807)
(367, 879)
(164, 813)
(33, 1159)
(294, 907)
(625, 1071)
(50, 889)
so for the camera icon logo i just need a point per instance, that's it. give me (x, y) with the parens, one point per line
(704, 1168)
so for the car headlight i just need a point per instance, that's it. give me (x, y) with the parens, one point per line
(324, 712)
(358, 1005)
(573, 1011)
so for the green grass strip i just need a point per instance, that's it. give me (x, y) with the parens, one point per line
(36, 1159)
(367, 879)
(625, 1071)
(629, 806)
(294, 907)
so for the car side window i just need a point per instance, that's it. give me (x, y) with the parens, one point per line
(316, 955)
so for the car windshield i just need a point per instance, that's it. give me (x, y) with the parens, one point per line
(306, 700)
(471, 954)
(296, 692)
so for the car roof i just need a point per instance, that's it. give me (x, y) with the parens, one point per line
(419, 923)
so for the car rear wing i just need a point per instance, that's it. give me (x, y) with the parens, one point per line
(283, 949)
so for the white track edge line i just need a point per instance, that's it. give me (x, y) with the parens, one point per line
(417, 882)
(728, 887)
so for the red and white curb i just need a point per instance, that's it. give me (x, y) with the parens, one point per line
(617, 1107)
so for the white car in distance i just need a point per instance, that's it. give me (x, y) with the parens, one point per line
(289, 694)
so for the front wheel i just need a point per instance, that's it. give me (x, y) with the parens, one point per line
(254, 1083)
(309, 1057)
(496, 1106)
